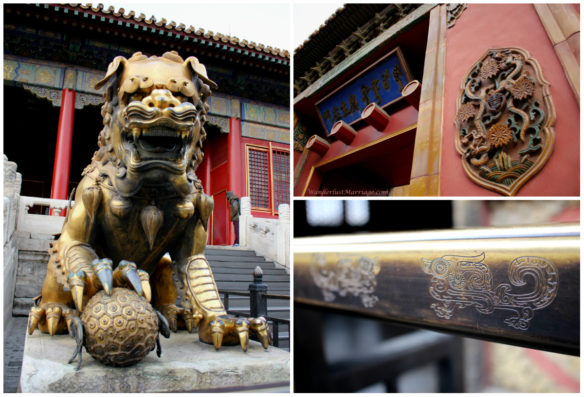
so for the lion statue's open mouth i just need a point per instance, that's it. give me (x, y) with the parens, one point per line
(159, 137)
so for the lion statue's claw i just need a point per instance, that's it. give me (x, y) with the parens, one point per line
(76, 332)
(229, 330)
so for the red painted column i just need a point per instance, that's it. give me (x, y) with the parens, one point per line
(234, 157)
(61, 168)
(204, 174)
(204, 170)
(234, 163)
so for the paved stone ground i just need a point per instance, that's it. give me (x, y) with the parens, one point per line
(185, 365)
(14, 334)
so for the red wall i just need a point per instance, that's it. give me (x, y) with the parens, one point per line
(484, 26)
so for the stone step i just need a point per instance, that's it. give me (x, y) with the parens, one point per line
(237, 259)
(248, 267)
(274, 288)
(233, 270)
(276, 308)
(267, 279)
(247, 271)
(22, 306)
(232, 251)
(32, 269)
(276, 311)
(244, 301)
(33, 255)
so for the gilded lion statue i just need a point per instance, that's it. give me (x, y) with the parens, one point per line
(140, 215)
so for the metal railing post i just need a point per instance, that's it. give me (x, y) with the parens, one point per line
(276, 333)
(226, 300)
(258, 303)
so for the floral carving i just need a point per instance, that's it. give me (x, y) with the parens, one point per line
(466, 111)
(504, 120)
(523, 88)
(500, 135)
(489, 68)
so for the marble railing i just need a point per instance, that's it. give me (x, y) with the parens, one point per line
(267, 237)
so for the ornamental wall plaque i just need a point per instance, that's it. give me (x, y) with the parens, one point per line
(504, 120)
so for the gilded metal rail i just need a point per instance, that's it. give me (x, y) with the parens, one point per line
(516, 285)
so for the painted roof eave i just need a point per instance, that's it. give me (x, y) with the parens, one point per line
(362, 53)
(171, 29)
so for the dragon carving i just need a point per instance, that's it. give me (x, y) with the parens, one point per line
(140, 199)
(504, 120)
(466, 281)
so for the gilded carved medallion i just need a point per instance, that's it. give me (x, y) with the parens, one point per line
(504, 120)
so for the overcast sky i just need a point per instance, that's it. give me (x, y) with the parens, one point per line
(265, 23)
(308, 17)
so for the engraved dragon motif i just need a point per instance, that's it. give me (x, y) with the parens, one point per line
(466, 281)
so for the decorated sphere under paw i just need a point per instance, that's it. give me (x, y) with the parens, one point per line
(121, 329)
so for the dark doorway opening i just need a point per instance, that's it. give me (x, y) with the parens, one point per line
(30, 136)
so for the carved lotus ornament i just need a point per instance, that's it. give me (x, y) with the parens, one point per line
(504, 120)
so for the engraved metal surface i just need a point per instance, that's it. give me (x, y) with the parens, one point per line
(466, 281)
(355, 275)
(518, 285)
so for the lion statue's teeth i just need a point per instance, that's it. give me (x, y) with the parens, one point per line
(161, 132)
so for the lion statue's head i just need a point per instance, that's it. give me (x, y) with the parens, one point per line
(153, 116)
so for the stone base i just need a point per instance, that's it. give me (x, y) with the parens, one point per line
(186, 365)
